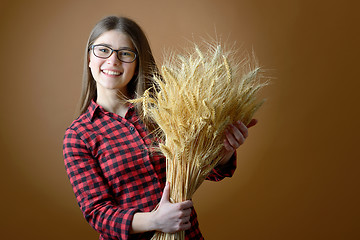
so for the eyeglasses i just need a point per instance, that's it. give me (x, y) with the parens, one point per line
(124, 55)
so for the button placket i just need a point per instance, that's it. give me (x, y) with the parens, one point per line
(147, 155)
(154, 180)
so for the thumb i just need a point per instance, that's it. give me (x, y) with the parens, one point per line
(253, 122)
(166, 193)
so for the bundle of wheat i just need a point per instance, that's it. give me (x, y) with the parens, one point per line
(199, 94)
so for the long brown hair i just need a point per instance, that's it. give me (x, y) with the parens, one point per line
(146, 65)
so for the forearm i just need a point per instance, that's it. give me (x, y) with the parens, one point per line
(142, 222)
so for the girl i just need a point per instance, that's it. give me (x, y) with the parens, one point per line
(117, 178)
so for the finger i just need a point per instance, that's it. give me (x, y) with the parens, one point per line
(186, 205)
(186, 213)
(253, 122)
(227, 145)
(185, 220)
(166, 193)
(235, 142)
(243, 129)
(185, 226)
(239, 130)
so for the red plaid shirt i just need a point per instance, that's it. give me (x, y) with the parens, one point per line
(114, 174)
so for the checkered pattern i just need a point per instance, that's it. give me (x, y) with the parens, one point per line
(114, 174)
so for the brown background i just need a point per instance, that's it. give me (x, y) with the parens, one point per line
(298, 172)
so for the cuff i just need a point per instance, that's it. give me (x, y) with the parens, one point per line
(227, 170)
(123, 223)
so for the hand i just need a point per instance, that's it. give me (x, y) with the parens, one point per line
(235, 135)
(172, 217)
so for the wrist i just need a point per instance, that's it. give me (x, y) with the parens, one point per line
(225, 160)
(155, 225)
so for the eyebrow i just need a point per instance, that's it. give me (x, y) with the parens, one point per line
(110, 46)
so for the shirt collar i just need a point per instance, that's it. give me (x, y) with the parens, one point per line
(94, 108)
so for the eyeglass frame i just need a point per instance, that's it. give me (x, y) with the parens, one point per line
(112, 51)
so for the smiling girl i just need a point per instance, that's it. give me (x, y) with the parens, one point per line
(117, 177)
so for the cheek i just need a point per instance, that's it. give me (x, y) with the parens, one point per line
(92, 67)
(132, 69)
(94, 63)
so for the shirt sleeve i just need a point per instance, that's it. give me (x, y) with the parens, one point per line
(220, 172)
(92, 192)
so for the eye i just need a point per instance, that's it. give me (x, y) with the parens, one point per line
(126, 53)
(103, 49)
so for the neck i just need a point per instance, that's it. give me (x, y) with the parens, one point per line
(113, 101)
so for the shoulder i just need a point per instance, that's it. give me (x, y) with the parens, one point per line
(77, 129)
(84, 122)
(81, 122)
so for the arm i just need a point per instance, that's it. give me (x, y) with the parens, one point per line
(91, 190)
(168, 217)
(235, 136)
(100, 209)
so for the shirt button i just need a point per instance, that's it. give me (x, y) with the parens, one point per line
(132, 129)
(154, 180)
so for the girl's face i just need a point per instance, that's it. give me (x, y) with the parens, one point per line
(111, 73)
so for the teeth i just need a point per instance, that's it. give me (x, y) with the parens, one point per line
(111, 72)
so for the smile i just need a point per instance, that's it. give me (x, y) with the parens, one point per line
(110, 72)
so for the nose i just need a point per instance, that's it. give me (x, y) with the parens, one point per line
(113, 59)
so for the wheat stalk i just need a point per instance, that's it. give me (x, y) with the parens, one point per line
(199, 94)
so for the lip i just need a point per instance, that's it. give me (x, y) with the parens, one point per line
(111, 72)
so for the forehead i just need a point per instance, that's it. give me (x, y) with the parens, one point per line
(115, 39)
